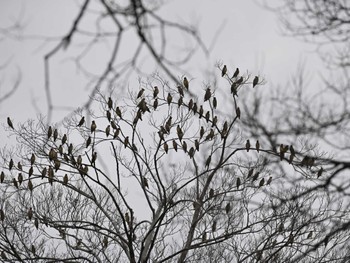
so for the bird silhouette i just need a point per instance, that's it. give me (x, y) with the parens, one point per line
(223, 71)
(9, 122)
(185, 83)
(81, 122)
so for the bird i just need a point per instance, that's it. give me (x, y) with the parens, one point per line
(166, 147)
(126, 141)
(196, 144)
(169, 98)
(145, 182)
(155, 104)
(64, 139)
(70, 148)
(65, 179)
(207, 116)
(211, 193)
(269, 180)
(15, 182)
(190, 104)
(107, 131)
(215, 120)
(201, 132)
(49, 132)
(256, 175)
(215, 103)
(257, 145)
(250, 173)
(88, 141)
(261, 183)
(238, 112)
(191, 152)
(118, 112)
(32, 159)
(110, 103)
(140, 93)
(255, 81)
(36, 223)
(179, 131)
(213, 227)
(180, 101)
(180, 90)
(81, 122)
(109, 115)
(207, 94)
(105, 242)
(52, 155)
(9, 122)
(30, 213)
(20, 178)
(228, 208)
(10, 164)
(155, 92)
(174, 145)
(30, 185)
(55, 134)
(238, 182)
(185, 82)
(247, 145)
(93, 126)
(184, 146)
(201, 110)
(204, 236)
(239, 81)
(2, 177)
(208, 161)
(19, 165)
(235, 74)
(292, 151)
(223, 71)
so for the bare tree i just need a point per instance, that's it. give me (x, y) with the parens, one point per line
(166, 176)
(101, 24)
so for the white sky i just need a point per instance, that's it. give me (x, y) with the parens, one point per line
(251, 40)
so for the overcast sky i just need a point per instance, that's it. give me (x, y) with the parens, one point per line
(250, 39)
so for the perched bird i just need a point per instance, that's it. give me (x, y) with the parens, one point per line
(30, 172)
(70, 148)
(81, 122)
(180, 102)
(184, 146)
(155, 92)
(208, 161)
(207, 94)
(15, 182)
(247, 145)
(250, 173)
(185, 82)
(110, 103)
(2, 177)
(93, 157)
(190, 104)
(228, 208)
(179, 131)
(175, 145)
(191, 152)
(262, 181)
(52, 155)
(180, 90)
(215, 103)
(49, 132)
(105, 242)
(210, 136)
(223, 71)
(32, 159)
(19, 165)
(255, 81)
(36, 223)
(238, 112)
(204, 236)
(155, 104)
(9, 122)
(126, 141)
(64, 138)
(292, 151)
(10, 164)
(166, 147)
(118, 112)
(145, 182)
(30, 213)
(255, 177)
(55, 134)
(211, 193)
(201, 132)
(213, 227)
(169, 98)
(239, 81)
(30, 185)
(269, 180)
(65, 179)
(127, 217)
(2, 215)
(201, 110)
(140, 93)
(234, 89)
(107, 131)
(143, 105)
(215, 120)
(238, 182)
(88, 141)
(196, 144)
(257, 145)
(207, 116)
(93, 126)
(20, 178)
(235, 74)
(108, 115)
